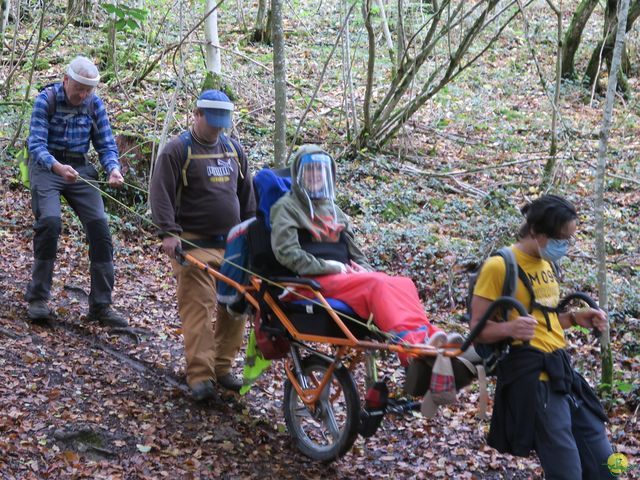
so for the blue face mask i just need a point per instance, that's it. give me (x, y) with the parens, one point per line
(555, 249)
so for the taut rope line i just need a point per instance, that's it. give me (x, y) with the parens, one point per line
(369, 325)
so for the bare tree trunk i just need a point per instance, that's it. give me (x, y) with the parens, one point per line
(213, 79)
(386, 32)
(574, 35)
(604, 49)
(27, 93)
(322, 74)
(240, 15)
(280, 85)
(401, 43)
(168, 119)
(347, 78)
(366, 107)
(404, 94)
(6, 86)
(212, 49)
(549, 168)
(111, 42)
(79, 9)
(5, 5)
(607, 358)
(262, 28)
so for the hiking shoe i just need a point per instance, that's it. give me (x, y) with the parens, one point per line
(455, 338)
(203, 391)
(230, 382)
(437, 339)
(107, 316)
(38, 310)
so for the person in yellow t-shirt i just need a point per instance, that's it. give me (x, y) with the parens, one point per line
(541, 402)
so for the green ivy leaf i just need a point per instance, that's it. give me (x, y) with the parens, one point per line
(109, 7)
(132, 24)
(138, 13)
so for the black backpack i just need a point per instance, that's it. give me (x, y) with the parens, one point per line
(492, 353)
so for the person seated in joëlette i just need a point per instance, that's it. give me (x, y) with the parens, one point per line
(311, 236)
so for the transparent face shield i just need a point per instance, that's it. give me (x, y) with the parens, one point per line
(315, 176)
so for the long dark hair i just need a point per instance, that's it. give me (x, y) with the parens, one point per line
(547, 214)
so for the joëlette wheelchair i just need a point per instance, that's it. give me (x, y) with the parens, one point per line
(321, 342)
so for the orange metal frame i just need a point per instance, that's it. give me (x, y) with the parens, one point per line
(311, 395)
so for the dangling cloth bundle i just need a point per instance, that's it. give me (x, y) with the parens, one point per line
(442, 389)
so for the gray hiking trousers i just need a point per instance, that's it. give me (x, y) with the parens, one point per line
(571, 442)
(46, 189)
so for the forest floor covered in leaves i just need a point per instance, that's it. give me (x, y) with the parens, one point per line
(81, 401)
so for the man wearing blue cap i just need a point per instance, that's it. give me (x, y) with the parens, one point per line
(200, 188)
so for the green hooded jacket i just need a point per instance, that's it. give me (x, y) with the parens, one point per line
(322, 218)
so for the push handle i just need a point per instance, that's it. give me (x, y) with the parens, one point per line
(180, 256)
(501, 302)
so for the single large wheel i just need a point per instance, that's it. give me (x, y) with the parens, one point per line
(329, 430)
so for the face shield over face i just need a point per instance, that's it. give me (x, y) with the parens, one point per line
(315, 176)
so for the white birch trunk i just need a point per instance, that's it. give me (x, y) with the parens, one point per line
(211, 35)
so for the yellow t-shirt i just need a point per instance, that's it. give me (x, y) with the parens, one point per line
(545, 287)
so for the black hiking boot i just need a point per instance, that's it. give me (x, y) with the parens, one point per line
(204, 391)
(38, 310)
(107, 316)
(230, 382)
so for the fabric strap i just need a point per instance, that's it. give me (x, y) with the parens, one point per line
(483, 395)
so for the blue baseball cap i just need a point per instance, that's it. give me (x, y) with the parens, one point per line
(217, 108)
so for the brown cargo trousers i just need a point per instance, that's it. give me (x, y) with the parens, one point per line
(210, 348)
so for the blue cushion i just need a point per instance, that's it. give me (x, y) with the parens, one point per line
(336, 304)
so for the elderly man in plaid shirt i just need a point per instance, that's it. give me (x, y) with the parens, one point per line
(66, 117)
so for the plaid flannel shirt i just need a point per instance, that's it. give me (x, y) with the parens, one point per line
(70, 132)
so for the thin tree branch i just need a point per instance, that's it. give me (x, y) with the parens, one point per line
(324, 69)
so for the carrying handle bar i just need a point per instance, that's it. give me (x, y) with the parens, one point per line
(586, 299)
(180, 256)
(500, 302)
